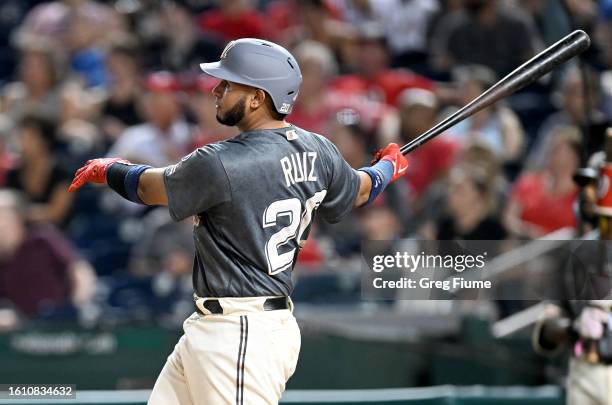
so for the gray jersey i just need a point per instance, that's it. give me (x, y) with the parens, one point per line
(254, 198)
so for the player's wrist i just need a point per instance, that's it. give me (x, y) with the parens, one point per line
(380, 174)
(124, 177)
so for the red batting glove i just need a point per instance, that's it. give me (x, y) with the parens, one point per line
(392, 154)
(94, 171)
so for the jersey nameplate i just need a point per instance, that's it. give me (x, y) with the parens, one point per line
(299, 167)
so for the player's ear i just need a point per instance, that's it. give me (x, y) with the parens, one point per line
(259, 98)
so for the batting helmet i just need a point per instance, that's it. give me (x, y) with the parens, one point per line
(262, 64)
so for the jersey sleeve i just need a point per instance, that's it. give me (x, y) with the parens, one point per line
(342, 189)
(197, 183)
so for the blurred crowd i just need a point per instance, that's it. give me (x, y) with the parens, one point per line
(81, 79)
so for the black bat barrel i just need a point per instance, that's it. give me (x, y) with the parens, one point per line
(527, 73)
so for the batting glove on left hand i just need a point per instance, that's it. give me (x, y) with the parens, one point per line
(392, 154)
(94, 171)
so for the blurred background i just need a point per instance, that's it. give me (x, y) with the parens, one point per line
(94, 289)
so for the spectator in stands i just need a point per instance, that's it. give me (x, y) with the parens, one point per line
(431, 161)
(319, 100)
(166, 246)
(374, 78)
(575, 110)
(12, 12)
(318, 66)
(165, 137)
(163, 257)
(542, 201)
(119, 110)
(380, 223)
(39, 270)
(480, 155)
(350, 137)
(38, 174)
(47, 21)
(547, 17)
(470, 207)
(360, 12)
(84, 42)
(481, 164)
(347, 132)
(183, 46)
(78, 133)
(233, 19)
(51, 21)
(318, 20)
(39, 74)
(6, 157)
(405, 24)
(474, 37)
(497, 126)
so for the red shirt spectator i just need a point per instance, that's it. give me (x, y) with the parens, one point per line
(374, 76)
(38, 267)
(311, 119)
(32, 281)
(429, 162)
(310, 255)
(385, 86)
(316, 119)
(548, 212)
(285, 17)
(242, 24)
(542, 202)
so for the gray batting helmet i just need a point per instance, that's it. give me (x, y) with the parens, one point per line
(262, 64)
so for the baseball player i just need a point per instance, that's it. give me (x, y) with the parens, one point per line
(253, 199)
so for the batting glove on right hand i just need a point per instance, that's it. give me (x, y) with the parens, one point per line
(94, 171)
(392, 154)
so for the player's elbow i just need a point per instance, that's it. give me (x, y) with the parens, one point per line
(151, 187)
(365, 186)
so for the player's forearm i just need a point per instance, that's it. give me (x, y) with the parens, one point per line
(365, 186)
(138, 183)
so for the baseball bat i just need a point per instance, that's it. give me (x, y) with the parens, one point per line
(527, 73)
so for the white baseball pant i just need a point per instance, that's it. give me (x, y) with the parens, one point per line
(243, 357)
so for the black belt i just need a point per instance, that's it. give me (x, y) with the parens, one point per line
(270, 304)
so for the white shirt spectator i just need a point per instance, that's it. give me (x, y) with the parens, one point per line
(405, 21)
(147, 144)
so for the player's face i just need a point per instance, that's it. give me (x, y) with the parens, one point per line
(230, 102)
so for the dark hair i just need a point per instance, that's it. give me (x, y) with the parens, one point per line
(45, 127)
(126, 46)
(124, 50)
